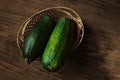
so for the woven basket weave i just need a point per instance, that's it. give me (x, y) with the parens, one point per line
(54, 12)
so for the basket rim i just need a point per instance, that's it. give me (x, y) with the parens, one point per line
(78, 19)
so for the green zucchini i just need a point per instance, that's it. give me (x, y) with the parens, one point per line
(59, 45)
(37, 38)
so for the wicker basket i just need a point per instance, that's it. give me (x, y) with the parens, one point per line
(55, 12)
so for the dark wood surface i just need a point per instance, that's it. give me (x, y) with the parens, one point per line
(97, 58)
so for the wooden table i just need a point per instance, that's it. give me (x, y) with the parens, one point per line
(97, 58)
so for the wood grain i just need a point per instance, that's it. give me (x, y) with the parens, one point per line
(97, 58)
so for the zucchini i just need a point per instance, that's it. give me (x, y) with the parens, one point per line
(59, 45)
(36, 40)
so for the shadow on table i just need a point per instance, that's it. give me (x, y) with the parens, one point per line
(87, 62)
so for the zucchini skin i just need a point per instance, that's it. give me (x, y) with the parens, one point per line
(36, 40)
(58, 45)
